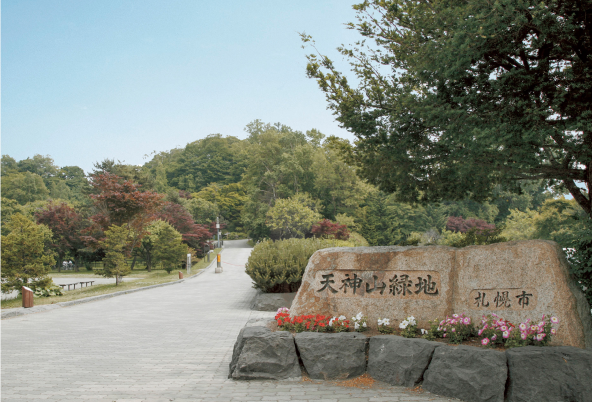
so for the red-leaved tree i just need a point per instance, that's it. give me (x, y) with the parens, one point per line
(120, 202)
(328, 229)
(194, 235)
(66, 225)
(458, 224)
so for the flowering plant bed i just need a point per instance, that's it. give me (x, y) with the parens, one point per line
(458, 329)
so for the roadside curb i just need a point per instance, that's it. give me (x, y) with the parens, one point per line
(20, 311)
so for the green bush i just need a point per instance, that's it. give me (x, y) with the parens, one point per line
(277, 267)
(580, 258)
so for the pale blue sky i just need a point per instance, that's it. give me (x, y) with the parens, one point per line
(87, 80)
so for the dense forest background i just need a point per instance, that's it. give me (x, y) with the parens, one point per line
(276, 183)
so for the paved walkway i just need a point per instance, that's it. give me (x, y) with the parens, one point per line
(172, 343)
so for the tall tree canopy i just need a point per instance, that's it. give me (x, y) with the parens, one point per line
(455, 96)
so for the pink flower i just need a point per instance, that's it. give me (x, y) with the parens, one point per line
(541, 324)
(480, 332)
(444, 336)
(504, 328)
(453, 329)
(522, 327)
(524, 335)
(467, 320)
(455, 315)
(493, 338)
(554, 320)
(540, 337)
(506, 334)
(553, 331)
(485, 341)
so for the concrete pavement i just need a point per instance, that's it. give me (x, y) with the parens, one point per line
(172, 343)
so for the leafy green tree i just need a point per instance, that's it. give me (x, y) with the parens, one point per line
(290, 218)
(202, 211)
(455, 97)
(116, 246)
(59, 190)
(229, 199)
(8, 208)
(376, 222)
(39, 165)
(9, 165)
(520, 225)
(214, 159)
(168, 249)
(24, 187)
(26, 260)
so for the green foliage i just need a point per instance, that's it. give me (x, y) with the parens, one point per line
(580, 258)
(214, 159)
(229, 199)
(478, 237)
(47, 291)
(456, 97)
(290, 218)
(115, 246)
(277, 267)
(202, 211)
(167, 246)
(26, 259)
(24, 187)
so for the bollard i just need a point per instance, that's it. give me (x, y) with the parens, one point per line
(219, 264)
(208, 256)
(27, 297)
(180, 275)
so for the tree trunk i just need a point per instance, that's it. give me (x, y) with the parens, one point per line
(133, 262)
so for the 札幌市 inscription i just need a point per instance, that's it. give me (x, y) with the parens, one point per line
(377, 284)
(503, 299)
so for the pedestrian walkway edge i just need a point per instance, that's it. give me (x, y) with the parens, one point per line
(16, 312)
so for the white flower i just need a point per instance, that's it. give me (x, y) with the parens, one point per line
(364, 324)
(357, 326)
(403, 324)
(411, 320)
(424, 331)
(342, 317)
(359, 315)
(331, 322)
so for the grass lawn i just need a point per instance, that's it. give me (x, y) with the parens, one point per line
(157, 276)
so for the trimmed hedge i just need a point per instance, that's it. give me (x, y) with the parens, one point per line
(277, 267)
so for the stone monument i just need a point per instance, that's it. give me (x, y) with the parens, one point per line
(516, 280)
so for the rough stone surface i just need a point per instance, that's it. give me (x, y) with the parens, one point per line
(273, 301)
(516, 280)
(549, 373)
(365, 262)
(535, 266)
(266, 356)
(399, 361)
(332, 356)
(467, 373)
(245, 333)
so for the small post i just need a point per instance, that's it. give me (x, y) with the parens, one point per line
(27, 297)
(180, 275)
(188, 263)
(218, 230)
(219, 264)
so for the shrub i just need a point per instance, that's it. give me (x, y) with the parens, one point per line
(457, 328)
(327, 230)
(580, 258)
(277, 267)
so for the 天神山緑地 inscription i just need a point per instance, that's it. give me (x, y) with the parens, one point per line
(401, 284)
(503, 299)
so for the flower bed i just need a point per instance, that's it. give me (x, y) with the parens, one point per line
(492, 332)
